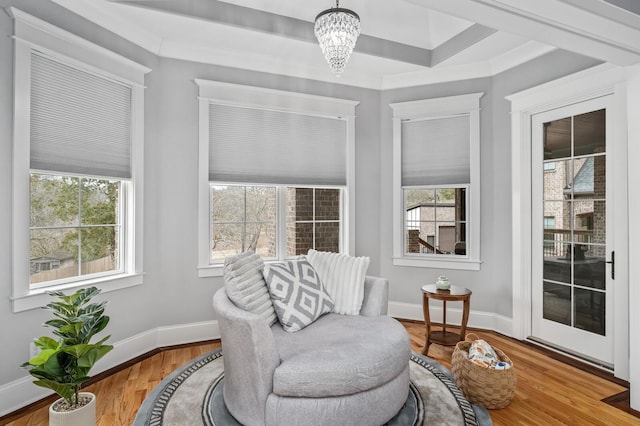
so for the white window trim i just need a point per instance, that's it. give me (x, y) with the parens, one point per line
(439, 108)
(32, 33)
(240, 95)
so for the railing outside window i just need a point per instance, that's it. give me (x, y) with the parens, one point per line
(558, 241)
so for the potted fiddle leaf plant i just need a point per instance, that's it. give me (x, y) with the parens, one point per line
(63, 365)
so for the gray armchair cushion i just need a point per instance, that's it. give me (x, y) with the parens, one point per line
(371, 407)
(314, 362)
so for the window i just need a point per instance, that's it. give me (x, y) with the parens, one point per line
(77, 164)
(244, 218)
(436, 182)
(439, 214)
(274, 173)
(549, 239)
(314, 220)
(76, 228)
(549, 222)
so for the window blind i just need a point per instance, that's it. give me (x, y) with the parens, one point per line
(80, 122)
(249, 145)
(436, 151)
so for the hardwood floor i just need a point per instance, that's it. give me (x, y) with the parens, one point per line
(120, 395)
(549, 391)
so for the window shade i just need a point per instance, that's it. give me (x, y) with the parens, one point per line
(80, 123)
(251, 145)
(436, 151)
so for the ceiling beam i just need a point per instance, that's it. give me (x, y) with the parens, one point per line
(460, 42)
(279, 25)
(600, 30)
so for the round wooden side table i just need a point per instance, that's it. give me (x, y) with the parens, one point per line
(454, 294)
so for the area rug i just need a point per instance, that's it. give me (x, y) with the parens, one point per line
(192, 395)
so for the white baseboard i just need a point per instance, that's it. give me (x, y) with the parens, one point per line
(408, 311)
(19, 393)
(22, 392)
(477, 319)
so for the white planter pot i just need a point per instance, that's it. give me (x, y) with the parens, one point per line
(83, 416)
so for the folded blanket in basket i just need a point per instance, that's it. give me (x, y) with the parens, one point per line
(481, 353)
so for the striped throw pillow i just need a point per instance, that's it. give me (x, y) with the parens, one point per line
(246, 286)
(342, 277)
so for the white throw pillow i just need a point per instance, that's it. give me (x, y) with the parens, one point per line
(343, 278)
(297, 293)
(246, 286)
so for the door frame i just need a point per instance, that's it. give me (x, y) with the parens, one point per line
(582, 86)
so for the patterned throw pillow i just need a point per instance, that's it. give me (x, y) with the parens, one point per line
(343, 278)
(246, 287)
(297, 293)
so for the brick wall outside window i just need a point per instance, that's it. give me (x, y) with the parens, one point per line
(303, 222)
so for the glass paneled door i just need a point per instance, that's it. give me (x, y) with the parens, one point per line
(571, 280)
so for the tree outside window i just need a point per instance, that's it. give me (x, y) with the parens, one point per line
(243, 218)
(74, 226)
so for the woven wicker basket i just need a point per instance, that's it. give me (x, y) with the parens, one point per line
(487, 387)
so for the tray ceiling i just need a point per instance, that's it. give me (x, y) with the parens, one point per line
(403, 42)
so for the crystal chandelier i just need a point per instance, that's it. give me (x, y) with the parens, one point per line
(337, 30)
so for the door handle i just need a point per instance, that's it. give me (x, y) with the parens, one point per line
(613, 265)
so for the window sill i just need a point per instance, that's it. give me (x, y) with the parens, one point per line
(461, 264)
(210, 271)
(38, 298)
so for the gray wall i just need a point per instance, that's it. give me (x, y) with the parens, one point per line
(129, 315)
(172, 293)
(491, 285)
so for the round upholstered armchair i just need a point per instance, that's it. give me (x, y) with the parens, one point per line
(339, 370)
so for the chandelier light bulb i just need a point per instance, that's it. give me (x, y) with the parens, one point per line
(337, 30)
